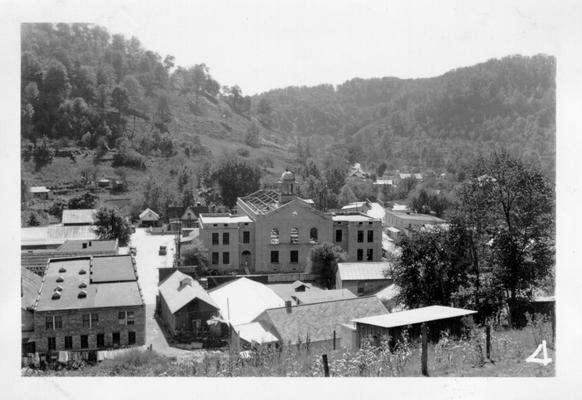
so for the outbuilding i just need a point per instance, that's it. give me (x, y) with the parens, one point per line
(149, 218)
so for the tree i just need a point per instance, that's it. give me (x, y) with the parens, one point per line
(346, 195)
(508, 206)
(323, 260)
(235, 178)
(195, 254)
(43, 153)
(252, 136)
(33, 220)
(85, 201)
(111, 225)
(429, 269)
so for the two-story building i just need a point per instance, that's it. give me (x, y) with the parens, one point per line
(274, 231)
(88, 304)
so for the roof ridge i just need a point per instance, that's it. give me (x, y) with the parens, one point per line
(322, 302)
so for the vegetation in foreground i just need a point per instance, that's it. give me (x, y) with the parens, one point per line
(448, 357)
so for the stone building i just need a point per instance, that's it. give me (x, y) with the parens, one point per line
(274, 231)
(88, 304)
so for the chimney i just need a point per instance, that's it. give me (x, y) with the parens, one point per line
(288, 306)
(185, 282)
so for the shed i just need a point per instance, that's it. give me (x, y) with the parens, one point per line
(40, 192)
(79, 217)
(185, 306)
(363, 278)
(391, 325)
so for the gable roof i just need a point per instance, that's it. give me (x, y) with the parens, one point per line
(318, 320)
(149, 213)
(85, 216)
(31, 284)
(287, 290)
(180, 289)
(241, 300)
(74, 245)
(415, 316)
(356, 271)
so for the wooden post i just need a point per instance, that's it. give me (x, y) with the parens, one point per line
(325, 365)
(488, 341)
(424, 354)
(334, 340)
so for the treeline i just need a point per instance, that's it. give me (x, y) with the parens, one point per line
(429, 122)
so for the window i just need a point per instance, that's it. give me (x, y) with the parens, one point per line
(215, 238)
(294, 256)
(360, 288)
(58, 322)
(49, 325)
(214, 258)
(100, 340)
(370, 236)
(52, 343)
(68, 342)
(360, 254)
(313, 234)
(294, 235)
(121, 317)
(84, 341)
(369, 255)
(130, 318)
(84, 245)
(246, 237)
(94, 320)
(360, 236)
(130, 337)
(275, 257)
(338, 235)
(116, 338)
(226, 258)
(225, 238)
(275, 236)
(86, 321)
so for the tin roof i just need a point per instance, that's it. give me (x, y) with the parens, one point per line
(255, 332)
(224, 219)
(415, 316)
(39, 189)
(318, 321)
(356, 271)
(86, 216)
(180, 289)
(320, 296)
(31, 284)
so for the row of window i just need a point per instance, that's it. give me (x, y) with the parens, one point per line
(216, 258)
(293, 236)
(339, 236)
(293, 256)
(369, 255)
(84, 339)
(90, 320)
(226, 238)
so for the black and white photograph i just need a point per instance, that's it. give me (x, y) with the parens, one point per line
(292, 189)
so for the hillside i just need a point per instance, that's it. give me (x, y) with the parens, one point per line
(429, 122)
(101, 105)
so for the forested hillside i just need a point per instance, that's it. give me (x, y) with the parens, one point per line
(96, 105)
(428, 122)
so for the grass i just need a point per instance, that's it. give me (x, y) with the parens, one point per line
(448, 358)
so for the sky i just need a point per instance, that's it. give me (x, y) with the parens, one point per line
(261, 45)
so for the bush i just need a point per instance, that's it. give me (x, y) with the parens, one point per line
(243, 152)
(129, 158)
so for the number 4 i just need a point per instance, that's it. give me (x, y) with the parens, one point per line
(545, 361)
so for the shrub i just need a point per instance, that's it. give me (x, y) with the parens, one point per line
(243, 152)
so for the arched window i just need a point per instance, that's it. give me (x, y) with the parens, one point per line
(313, 235)
(275, 236)
(294, 235)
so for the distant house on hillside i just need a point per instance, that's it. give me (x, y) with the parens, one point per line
(40, 192)
(149, 218)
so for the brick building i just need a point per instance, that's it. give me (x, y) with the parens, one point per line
(88, 304)
(274, 231)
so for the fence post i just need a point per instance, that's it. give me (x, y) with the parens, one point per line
(424, 354)
(488, 341)
(334, 340)
(325, 365)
